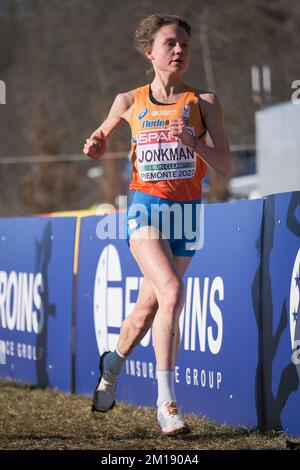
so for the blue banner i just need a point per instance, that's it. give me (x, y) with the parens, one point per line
(223, 359)
(216, 373)
(36, 282)
(280, 313)
(239, 358)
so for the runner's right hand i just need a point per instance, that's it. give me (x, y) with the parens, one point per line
(96, 146)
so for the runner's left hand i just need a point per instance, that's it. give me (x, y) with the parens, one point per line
(179, 130)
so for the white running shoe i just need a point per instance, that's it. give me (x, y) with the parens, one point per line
(105, 391)
(170, 420)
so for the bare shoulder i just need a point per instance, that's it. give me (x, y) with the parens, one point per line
(210, 106)
(123, 104)
(208, 97)
(125, 99)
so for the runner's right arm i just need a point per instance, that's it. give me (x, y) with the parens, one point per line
(97, 144)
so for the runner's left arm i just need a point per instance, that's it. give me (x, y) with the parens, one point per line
(217, 157)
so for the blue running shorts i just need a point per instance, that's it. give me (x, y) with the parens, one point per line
(177, 221)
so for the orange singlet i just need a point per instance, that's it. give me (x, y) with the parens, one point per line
(162, 166)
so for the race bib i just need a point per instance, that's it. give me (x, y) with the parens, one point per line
(161, 157)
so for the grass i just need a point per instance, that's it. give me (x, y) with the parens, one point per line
(33, 418)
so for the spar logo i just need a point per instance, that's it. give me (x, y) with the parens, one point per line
(158, 137)
(201, 321)
(142, 114)
(155, 137)
(294, 313)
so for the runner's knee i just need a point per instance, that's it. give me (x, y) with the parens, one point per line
(173, 296)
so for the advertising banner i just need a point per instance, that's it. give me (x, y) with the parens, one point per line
(217, 366)
(280, 313)
(36, 285)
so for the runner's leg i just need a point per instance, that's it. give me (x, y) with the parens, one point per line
(156, 262)
(136, 325)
